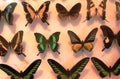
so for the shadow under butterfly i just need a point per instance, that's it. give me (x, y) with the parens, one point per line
(105, 70)
(7, 13)
(80, 44)
(109, 37)
(14, 44)
(73, 73)
(41, 13)
(51, 42)
(93, 11)
(27, 74)
(64, 14)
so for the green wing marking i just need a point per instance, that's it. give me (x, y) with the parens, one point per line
(101, 67)
(117, 10)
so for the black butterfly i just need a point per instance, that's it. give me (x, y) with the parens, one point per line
(41, 12)
(7, 13)
(68, 74)
(105, 70)
(109, 36)
(64, 14)
(14, 44)
(93, 11)
(27, 74)
(79, 44)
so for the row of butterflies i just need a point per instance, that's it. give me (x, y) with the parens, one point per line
(52, 42)
(62, 11)
(61, 72)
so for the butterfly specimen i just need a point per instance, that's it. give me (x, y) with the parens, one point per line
(31, 14)
(105, 70)
(117, 10)
(7, 13)
(79, 44)
(14, 44)
(109, 36)
(62, 73)
(27, 74)
(93, 11)
(64, 14)
(51, 42)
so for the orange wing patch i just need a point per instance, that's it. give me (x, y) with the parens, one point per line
(88, 46)
(76, 47)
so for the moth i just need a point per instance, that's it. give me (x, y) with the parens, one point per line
(79, 44)
(93, 11)
(51, 42)
(105, 70)
(7, 13)
(62, 73)
(14, 44)
(109, 37)
(63, 13)
(27, 74)
(41, 13)
(117, 10)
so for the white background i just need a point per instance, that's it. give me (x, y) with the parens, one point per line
(67, 58)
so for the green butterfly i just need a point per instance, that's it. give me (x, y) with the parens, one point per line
(68, 74)
(105, 70)
(51, 42)
(27, 74)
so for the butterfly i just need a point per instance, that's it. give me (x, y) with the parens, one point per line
(93, 11)
(7, 13)
(64, 14)
(51, 42)
(79, 44)
(117, 10)
(31, 14)
(109, 36)
(62, 73)
(27, 74)
(105, 70)
(14, 44)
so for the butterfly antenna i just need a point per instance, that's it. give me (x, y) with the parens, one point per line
(58, 52)
(38, 54)
(47, 23)
(84, 20)
(23, 54)
(26, 24)
(103, 49)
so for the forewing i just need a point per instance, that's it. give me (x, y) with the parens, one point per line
(10, 71)
(117, 10)
(78, 68)
(8, 12)
(53, 39)
(74, 11)
(4, 45)
(101, 67)
(116, 67)
(58, 69)
(108, 34)
(41, 40)
(62, 11)
(30, 71)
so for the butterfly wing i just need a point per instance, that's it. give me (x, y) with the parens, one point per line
(109, 36)
(74, 11)
(10, 71)
(102, 10)
(42, 11)
(77, 43)
(30, 12)
(117, 10)
(78, 68)
(16, 43)
(89, 39)
(42, 42)
(118, 38)
(62, 12)
(28, 73)
(116, 68)
(4, 45)
(101, 67)
(53, 39)
(8, 12)
(58, 69)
